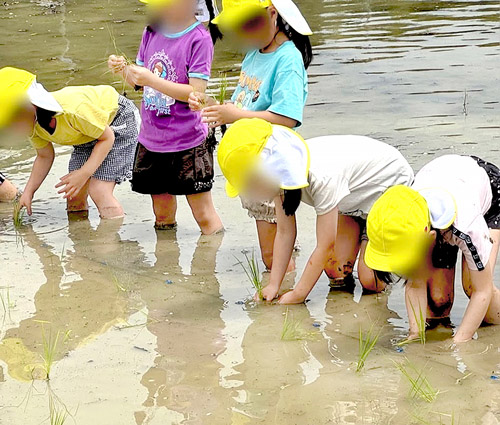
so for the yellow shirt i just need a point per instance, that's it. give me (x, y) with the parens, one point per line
(87, 112)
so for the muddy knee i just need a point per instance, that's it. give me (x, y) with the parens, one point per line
(369, 282)
(338, 269)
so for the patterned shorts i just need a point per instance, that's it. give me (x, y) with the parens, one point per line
(2, 178)
(186, 172)
(117, 166)
(492, 217)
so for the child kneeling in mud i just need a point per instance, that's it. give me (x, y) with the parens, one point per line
(340, 176)
(417, 232)
(101, 125)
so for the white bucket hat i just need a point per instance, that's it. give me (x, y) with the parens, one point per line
(285, 158)
(40, 97)
(292, 15)
(202, 13)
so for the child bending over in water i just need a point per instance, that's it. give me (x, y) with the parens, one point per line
(340, 176)
(417, 233)
(175, 152)
(101, 125)
(272, 83)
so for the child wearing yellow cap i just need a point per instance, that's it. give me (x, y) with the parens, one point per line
(96, 121)
(272, 83)
(453, 206)
(175, 152)
(8, 191)
(339, 176)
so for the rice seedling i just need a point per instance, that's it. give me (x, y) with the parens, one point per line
(293, 331)
(128, 61)
(222, 93)
(421, 324)
(119, 287)
(419, 385)
(253, 273)
(50, 346)
(366, 344)
(18, 214)
(7, 304)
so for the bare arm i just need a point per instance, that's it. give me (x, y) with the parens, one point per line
(283, 249)
(416, 304)
(326, 233)
(228, 113)
(73, 182)
(41, 167)
(481, 286)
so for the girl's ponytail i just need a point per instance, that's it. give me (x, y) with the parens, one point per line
(302, 42)
(214, 29)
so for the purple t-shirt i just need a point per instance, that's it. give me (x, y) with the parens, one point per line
(168, 125)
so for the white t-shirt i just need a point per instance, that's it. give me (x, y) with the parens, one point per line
(351, 172)
(470, 190)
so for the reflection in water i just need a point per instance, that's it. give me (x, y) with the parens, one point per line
(421, 75)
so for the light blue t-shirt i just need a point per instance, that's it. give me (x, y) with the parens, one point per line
(275, 82)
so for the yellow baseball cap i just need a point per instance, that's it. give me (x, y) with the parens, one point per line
(235, 12)
(397, 226)
(157, 3)
(14, 85)
(239, 151)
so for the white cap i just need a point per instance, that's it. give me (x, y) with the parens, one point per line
(291, 14)
(442, 207)
(40, 97)
(286, 158)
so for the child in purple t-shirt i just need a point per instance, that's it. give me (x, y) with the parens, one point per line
(175, 151)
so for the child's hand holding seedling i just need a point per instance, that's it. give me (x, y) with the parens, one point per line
(139, 76)
(269, 292)
(116, 64)
(218, 115)
(197, 101)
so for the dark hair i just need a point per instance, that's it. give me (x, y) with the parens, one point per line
(291, 201)
(388, 277)
(302, 42)
(214, 29)
(43, 118)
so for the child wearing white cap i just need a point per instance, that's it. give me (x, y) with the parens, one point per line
(339, 176)
(99, 124)
(272, 83)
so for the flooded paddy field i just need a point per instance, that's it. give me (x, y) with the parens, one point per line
(142, 327)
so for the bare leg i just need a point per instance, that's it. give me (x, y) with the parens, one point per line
(165, 209)
(8, 191)
(204, 213)
(267, 233)
(101, 193)
(341, 259)
(366, 275)
(80, 202)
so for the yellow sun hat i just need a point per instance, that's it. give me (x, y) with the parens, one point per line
(397, 226)
(14, 85)
(239, 151)
(236, 12)
(157, 3)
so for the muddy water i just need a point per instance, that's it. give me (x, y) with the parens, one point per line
(157, 328)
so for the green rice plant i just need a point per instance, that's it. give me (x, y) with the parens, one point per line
(366, 344)
(419, 385)
(293, 331)
(221, 96)
(118, 285)
(253, 273)
(18, 214)
(58, 412)
(120, 52)
(421, 323)
(50, 346)
(7, 304)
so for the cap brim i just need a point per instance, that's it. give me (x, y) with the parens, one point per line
(40, 97)
(231, 191)
(376, 260)
(234, 18)
(292, 15)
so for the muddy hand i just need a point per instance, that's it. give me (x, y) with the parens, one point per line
(116, 63)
